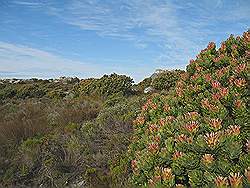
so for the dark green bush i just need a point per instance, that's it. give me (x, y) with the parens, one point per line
(166, 80)
(106, 85)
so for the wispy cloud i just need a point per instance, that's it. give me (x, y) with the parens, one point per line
(30, 4)
(180, 27)
(22, 60)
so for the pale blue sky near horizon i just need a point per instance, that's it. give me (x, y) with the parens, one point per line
(89, 38)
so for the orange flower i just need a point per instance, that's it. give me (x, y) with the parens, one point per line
(167, 174)
(139, 120)
(180, 84)
(134, 164)
(215, 84)
(144, 107)
(194, 77)
(198, 68)
(192, 126)
(211, 45)
(151, 183)
(153, 106)
(216, 123)
(177, 154)
(248, 53)
(183, 138)
(233, 130)
(238, 103)
(170, 118)
(153, 147)
(205, 103)
(221, 182)
(231, 79)
(149, 103)
(179, 92)
(240, 68)
(216, 96)
(240, 82)
(223, 46)
(157, 139)
(153, 128)
(162, 122)
(191, 115)
(235, 180)
(220, 73)
(166, 108)
(208, 77)
(157, 178)
(214, 108)
(207, 158)
(246, 36)
(191, 61)
(217, 59)
(223, 91)
(212, 138)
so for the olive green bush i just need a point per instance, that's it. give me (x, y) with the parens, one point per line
(106, 85)
(162, 81)
(166, 80)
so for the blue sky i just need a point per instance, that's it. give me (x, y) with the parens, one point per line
(89, 38)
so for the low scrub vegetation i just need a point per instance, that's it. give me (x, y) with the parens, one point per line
(191, 131)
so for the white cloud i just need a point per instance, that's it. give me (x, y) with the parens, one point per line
(147, 22)
(25, 62)
(22, 60)
(31, 4)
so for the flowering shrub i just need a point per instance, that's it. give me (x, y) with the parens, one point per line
(198, 135)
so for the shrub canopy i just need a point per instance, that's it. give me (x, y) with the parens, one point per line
(198, 135)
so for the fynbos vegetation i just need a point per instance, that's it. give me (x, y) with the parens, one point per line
(189, 129)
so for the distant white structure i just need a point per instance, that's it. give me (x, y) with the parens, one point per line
(149, 89)
(17, 81)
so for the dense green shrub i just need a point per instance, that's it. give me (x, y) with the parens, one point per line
(7, 92)
(198, 136)
(106, 85)
(143, 84)
(166, 80)
(34, 88)
(161, 80)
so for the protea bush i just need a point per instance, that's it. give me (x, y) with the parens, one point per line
(198, 135)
